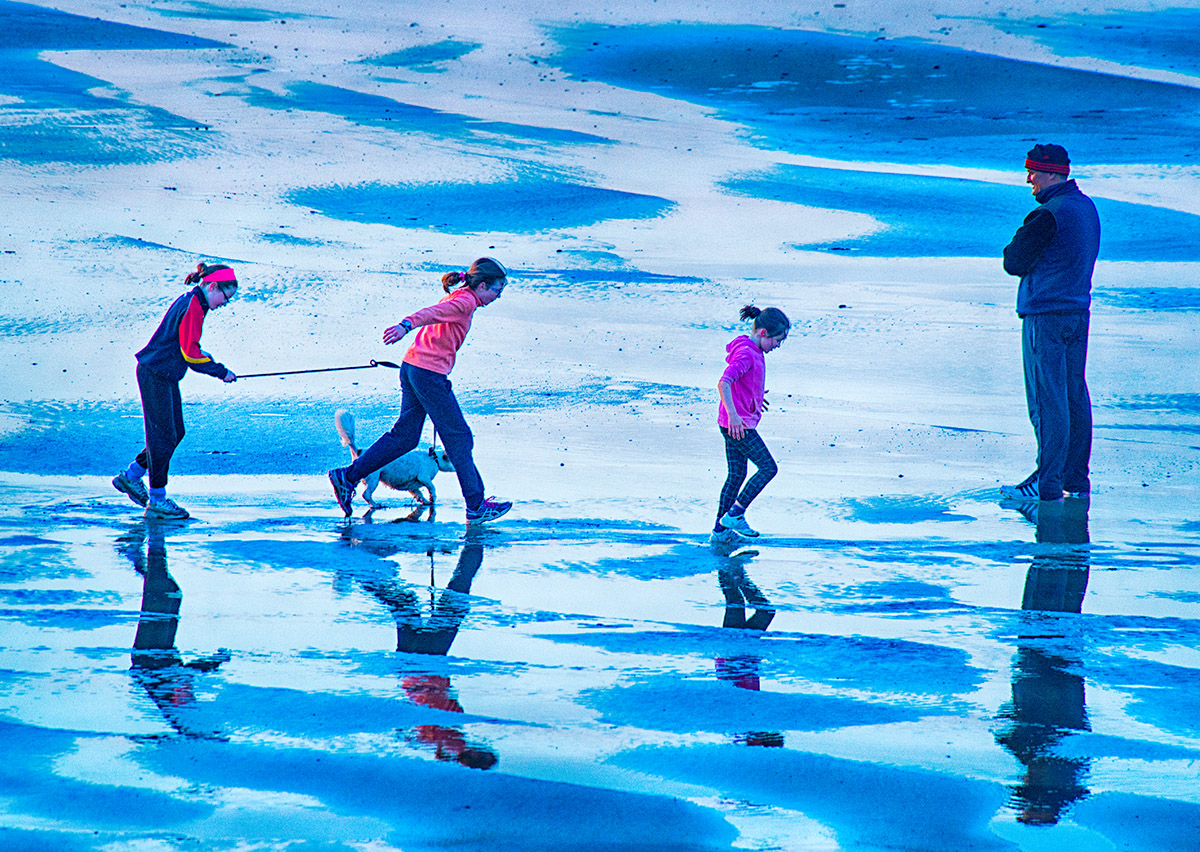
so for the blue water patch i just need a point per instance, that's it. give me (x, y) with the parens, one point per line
(901, 509)
(1183, 403)
(74, 124)
(213, 12)
(530, 205)
(283, 239)
(425, 57)
(1165, 39)
(860, 98)
(1151, 298)
(952, 217)
(379, 111)
(34, 28)
(731, 702)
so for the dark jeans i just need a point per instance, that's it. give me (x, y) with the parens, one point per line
(162, 409)
(424, 392)
(1054, 351)
(737, 453)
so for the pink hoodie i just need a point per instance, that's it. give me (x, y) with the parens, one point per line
(747, 377)
(441, 331)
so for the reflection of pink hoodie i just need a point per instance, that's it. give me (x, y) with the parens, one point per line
(747, 377)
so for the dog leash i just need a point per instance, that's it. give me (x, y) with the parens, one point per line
(322, 370)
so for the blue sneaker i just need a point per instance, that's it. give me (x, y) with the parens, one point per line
(738, 524)
(343, 489)
(489, 510)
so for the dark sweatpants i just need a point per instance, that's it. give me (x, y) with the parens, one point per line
(1054, 351)
(424, 392)
(162, 409)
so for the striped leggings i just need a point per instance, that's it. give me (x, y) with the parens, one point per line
(737, 453)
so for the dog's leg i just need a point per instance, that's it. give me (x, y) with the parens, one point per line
(432, 493)
(418, 496)
(370, 483)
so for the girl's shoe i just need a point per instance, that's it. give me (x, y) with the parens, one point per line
(738, 524)
(488, 510)
(135, 488)
(166, 509)
(343, 490)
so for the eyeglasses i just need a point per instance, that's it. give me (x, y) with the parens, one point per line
(498, 285)
(229, 292)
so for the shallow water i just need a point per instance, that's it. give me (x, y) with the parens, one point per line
(282, 658)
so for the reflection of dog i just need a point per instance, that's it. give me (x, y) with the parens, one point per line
(407, 473)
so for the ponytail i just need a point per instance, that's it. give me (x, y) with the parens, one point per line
(450, 279)
(482, 271)
(772, 320)
(195, 277)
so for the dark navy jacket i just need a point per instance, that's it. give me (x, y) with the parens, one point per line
(1054, 252)
(175, 345)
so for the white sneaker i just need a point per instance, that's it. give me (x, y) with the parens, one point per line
(738, 524)
(166, 509)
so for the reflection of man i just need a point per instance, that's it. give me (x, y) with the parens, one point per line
(1054, 252)
(1047, 705)
(156, 663)
(1048, 700)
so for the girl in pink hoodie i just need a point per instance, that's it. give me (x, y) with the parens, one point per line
(742, 390)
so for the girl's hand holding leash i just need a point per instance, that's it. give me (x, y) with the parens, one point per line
(229, 377)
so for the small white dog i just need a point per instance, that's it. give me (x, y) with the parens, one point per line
(408, 473)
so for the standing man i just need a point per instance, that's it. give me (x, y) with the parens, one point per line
(1054, 252)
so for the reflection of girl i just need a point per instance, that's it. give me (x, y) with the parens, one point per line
(742, 389)
(162, 363)
(425, 389)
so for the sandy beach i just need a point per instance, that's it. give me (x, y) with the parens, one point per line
(903, 660)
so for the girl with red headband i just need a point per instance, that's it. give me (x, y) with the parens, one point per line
(162, 363)
(425, 389)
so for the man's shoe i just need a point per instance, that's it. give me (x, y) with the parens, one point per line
(135, 488)
(738, 524)
(1026, 489)
(489, 510)
(165, 509)
(343, 490)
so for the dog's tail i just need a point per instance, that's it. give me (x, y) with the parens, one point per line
(344, 421)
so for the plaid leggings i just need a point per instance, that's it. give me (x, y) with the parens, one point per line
(737, 453)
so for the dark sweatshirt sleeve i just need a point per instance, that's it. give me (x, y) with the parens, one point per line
(1031, 239)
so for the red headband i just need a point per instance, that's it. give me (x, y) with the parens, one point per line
(219, 276)
(1039, 166)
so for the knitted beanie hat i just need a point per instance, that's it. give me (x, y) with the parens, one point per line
(1048, 158)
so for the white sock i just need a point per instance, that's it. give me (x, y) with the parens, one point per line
(135, 471)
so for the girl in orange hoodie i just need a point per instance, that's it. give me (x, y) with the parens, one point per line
(426, 391)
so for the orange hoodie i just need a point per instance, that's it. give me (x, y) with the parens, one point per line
(441, 329)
